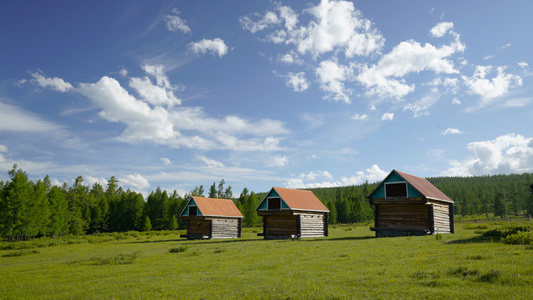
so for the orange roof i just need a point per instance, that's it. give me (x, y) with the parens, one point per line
(424, 187)
(217, 207)
(300, 199)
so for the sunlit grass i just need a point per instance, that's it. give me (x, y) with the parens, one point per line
(350, 263)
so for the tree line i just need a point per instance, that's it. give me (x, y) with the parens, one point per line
(30, 209)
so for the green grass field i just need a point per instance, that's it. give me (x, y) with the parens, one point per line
(350, 263)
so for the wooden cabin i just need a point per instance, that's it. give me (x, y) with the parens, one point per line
(410, 205)
(289, 213)
(209, 218)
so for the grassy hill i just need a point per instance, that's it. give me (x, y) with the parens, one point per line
(350, 263)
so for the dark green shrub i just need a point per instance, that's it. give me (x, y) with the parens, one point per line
(178, 249)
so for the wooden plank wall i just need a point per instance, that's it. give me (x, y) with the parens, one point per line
(280, 226)
(225, 228)
(441, 217)
(312, 225)
(409, 216)
(198, 228)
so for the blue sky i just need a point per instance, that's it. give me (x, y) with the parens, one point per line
(296, 94)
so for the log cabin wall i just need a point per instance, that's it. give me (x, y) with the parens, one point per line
(198, 228)
(408, 216)
(225, 228)
(441, 217)
(280, 226)
(312, 224)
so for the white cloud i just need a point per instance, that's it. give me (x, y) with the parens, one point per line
(211, 163)
(269, 19)
(491, 88)
(451, 131)
(386, 77)
(15, 119)
(290, 58)
(175, 23)
(506, 46)
(372, 174)
(523, 65)
(372, 107)
(135, 180)
(118, 105)
(331, 76)
(387, 117)
(216, 46)
(3, 148)
(188, 126)
(123, 72)
(166, 161)
(441, 29)
(278, 160)
(334, 25)
(156, 95)
(456, 101)
(359, 117)
(90, 181)
(338, 24)
(511, 153)
(421, 107)
(55, 83)
(297, 81)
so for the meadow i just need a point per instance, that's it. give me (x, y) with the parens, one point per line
(349, 264)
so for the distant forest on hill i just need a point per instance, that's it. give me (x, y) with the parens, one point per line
(30, 209)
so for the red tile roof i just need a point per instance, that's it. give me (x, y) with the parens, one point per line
(301, 199)
(217, 207)
(424, 187)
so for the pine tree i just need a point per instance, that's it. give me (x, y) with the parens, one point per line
(212, 191)
(172, 223)
(16, 199)
(59, 216)
(147, 225)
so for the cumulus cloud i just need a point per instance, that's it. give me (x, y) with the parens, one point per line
(267, 21)
(360, 117)
(55, 83)
(278, 160)
(90, 181)
(215, 46)
(135, 180)
(147, 119)
(441, 29)
(497, 86)
(325, 179)
(386, 77)
(118, 105)
(451, 131)
(211, 163)
(154, 94)
(511, 153)
(387, 117)
(334, 25)
(175, 23)
(166, 161)
(331, 76)
(297, 81)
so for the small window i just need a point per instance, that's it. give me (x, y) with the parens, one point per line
(193, 210)
(274, 203)
(396, 189)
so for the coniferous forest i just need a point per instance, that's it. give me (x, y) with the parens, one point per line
(30, 209)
